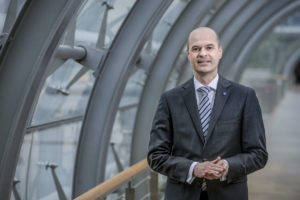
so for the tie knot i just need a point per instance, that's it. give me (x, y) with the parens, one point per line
(204, 90)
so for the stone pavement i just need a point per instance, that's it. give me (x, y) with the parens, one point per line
(280, 179)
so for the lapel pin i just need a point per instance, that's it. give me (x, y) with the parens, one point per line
(224, 93)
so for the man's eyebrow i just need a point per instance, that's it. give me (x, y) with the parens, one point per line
(210, 45)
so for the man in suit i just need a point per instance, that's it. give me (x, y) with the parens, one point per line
(208, 133)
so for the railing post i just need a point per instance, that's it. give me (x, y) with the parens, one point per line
(130, 192)
(154, 186)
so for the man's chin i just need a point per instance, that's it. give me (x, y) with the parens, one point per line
(203, 65)
(203, 68)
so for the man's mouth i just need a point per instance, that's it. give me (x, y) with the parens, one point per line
(203, 61)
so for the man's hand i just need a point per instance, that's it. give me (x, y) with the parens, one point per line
(210, 169)
(224, 164)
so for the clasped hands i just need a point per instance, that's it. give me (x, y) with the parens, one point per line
(210, 169)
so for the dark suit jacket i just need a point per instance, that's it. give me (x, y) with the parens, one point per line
(236, 133)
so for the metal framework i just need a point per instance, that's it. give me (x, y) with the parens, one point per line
(241, 25)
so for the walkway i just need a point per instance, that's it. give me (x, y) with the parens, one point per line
(280, 179)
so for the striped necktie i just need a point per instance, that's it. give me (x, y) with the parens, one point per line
(204, 109)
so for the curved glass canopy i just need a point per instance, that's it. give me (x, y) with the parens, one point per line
(89, 97)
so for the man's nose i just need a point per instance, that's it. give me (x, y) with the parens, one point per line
(202, 52)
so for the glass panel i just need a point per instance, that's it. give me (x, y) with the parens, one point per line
(9, 13)
(55, 145)
(177, 70)
(90, 21)
(54, 105)
(3, 12)
(22, 167)
(122, 129)
(165, 24)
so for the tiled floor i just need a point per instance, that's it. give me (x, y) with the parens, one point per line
(280, 179)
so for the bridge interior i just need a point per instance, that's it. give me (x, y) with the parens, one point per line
(80, 81)
(280, 178)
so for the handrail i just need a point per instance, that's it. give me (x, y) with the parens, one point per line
(114, 182)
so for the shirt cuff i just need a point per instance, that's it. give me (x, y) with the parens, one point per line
(224, 176)
(190, 177)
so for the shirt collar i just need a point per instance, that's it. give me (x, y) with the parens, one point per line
(212, 85)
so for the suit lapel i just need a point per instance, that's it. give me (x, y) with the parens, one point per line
(222, 94)
(191, 104)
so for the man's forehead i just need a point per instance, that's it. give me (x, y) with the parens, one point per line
(203, 35)
(203, 38)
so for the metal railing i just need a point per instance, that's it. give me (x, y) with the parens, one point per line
(122, 178)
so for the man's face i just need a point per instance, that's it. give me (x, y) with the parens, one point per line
(204, 52)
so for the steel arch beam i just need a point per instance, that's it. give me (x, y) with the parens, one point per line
(23, 65)
(107, 91)
(161, 68)
(229, 56)
(239, 65)
(245, 15)
(226, 14)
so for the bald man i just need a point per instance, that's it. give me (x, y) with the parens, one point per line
(208, 133)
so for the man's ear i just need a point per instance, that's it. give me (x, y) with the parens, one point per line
(220, 51)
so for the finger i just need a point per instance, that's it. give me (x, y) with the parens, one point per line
(223, 164)
(209, 178)
(212, 173)
(216, 160)
(216, 168)
(212, 176)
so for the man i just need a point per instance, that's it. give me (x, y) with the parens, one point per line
(208, 133)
